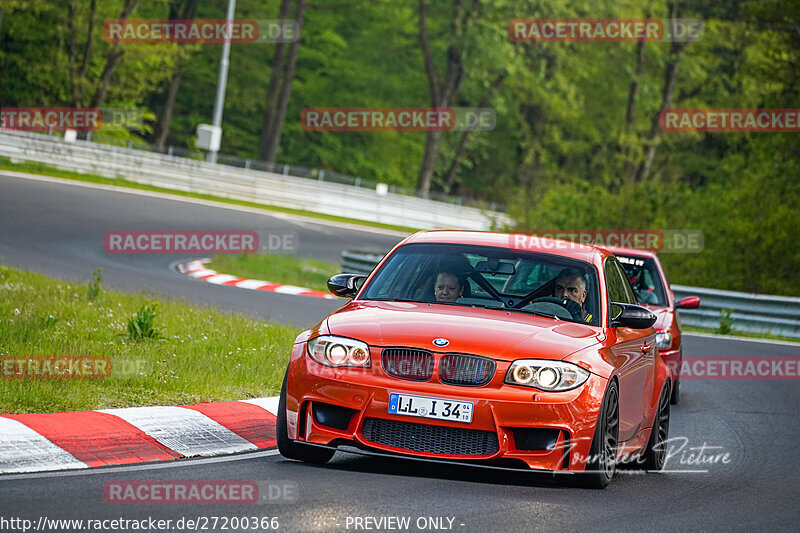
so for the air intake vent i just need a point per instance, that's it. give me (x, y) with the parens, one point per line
(430, 439)
(408, 363)
(458, 369)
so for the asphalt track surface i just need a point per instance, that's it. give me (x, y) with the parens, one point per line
(56, 229)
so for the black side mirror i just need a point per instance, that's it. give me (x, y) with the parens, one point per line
(345, 285)
(631, 316)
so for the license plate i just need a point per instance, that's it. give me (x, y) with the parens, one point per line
(422, 406)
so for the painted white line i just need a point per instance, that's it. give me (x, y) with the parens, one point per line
(268, 404)
(24, 450)
(201, 272)
(199, 461)
(291, 289)
(251, 284)
(219, 279)
(745, 339)
(196, 269)
(186, 431)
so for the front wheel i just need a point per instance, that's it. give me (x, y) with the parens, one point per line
(296, 450)
(602, 461)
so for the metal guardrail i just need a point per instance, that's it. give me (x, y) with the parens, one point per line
(252, 185)
(752, 313)
(359, 261)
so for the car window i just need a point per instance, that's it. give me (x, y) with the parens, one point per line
(626, 284)
(645, 278)
(484, 276)
(618, 289)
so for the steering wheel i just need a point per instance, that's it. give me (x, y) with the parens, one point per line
(573, 307)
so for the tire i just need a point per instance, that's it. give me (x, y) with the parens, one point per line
(675, 397)
(292, 449)
(603, 452)
(656, 451)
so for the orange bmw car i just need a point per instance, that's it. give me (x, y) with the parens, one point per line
(506, 351)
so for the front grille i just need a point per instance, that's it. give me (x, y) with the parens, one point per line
(459, 369)
(408, 363)
(430, 439)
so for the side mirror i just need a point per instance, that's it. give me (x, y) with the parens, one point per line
(345, 285)
(690, 302)
(631, 316)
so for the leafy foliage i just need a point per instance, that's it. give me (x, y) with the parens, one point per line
(141, 326)
(560, 152)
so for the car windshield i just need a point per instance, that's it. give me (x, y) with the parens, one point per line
(483, 276)
(645, 279)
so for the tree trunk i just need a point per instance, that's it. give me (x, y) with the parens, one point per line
(114, 54)
(428, 163)
(670, 78)
(630, 113)
(450, 175)
(87, 51)
(71, 52)
(286, 89)
(272, 91)
(165, 117)
(441, 96)
(166, 99)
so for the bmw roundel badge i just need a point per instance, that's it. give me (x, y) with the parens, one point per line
(441, 343)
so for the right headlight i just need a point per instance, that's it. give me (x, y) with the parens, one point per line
(330, 350)
(552, 376)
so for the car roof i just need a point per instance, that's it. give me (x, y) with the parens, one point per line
(514, 241)
(637, 252)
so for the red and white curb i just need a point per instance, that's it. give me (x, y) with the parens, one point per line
(197, 269)
(85, 439)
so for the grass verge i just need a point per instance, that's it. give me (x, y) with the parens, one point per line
(46, 170)
(290, 270)
(736, 333)
(195, 355)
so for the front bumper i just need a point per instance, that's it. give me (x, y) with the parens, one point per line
(545, 430)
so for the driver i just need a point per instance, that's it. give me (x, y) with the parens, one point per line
(448, 287)
(571, 285)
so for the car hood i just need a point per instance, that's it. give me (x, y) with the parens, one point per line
(491, 333)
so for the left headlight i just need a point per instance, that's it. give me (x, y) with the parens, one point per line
(552, 376)
(664, 339)
(329, 350)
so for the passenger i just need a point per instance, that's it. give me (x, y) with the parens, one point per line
(448, 287)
